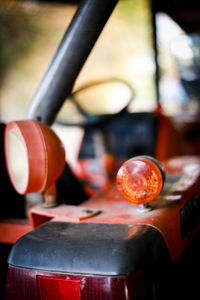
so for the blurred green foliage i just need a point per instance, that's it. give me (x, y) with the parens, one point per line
(17, 31)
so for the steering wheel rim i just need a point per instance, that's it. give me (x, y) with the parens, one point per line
(96, 119)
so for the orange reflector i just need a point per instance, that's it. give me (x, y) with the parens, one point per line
(140, 179)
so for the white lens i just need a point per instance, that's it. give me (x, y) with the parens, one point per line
(17, 159)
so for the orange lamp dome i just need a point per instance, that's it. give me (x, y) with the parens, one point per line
(140, 179)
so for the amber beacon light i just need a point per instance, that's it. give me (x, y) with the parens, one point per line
(140, 179)
(35, 156)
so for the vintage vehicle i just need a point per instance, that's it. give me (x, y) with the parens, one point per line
(125, 223)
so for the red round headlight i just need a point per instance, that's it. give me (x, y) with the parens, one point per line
(35, 156)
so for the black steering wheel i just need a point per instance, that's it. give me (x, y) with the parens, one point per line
(93, 120)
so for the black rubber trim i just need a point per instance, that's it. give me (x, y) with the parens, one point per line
(102, 249)
(159, 166)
